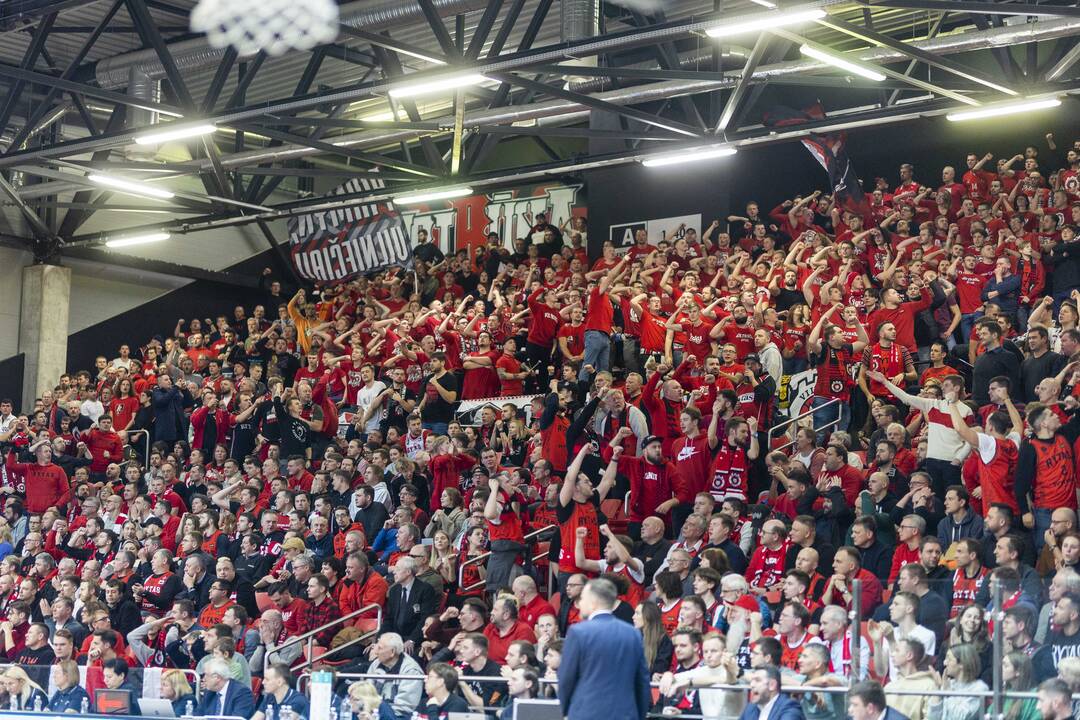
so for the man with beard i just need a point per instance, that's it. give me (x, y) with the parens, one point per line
(731, 456)
(650, 481)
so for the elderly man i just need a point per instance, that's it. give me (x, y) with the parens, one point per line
(224, 696)
(408, 603)
(389, 658)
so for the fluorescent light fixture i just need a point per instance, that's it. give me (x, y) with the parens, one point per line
(435, 85)
(765, 21)
(688, 156)
(130, 186)
(765, 3)
(990, 111)
(137, 239)
(839, 62)
(170, 132)
(427, 196)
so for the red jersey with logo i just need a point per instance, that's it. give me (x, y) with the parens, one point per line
(965, 589)
(767, 566)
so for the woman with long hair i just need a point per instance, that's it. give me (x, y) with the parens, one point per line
(443, 557)
(961, 679)
(970, 627)
(123, 405)
(1018, 675)
(471, 577)
(69, 695)
(658, 647)
(20, 692)
(450, 516)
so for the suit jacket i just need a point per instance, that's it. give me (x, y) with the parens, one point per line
(784, 709)
(238, 701)
(407, 619)
(603, 673)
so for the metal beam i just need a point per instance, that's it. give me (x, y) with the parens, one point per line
(391, 68)
(160, 266)
(732, 104)
(434, 21)
(349, 55)
(69, 72)
(41, 230)
(930, 35)
(217, 84)
(74, 219)
(390, 43)
(503, 92)
(668, 59)
(590, 101)
(929, 87)
(109, 96)
(981, 8)
(30, 58)
(248, 71)
(1064, 64)
(1002, 55)
(629, 72)
(148, 31)
(949, 66)
(483, 29)
(371, 158)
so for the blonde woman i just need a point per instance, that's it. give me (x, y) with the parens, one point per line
(69, 695)
(176, 689)
(365, 703)
(20, 692)
(443, 557)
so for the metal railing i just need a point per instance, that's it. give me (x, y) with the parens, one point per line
(484, 556)
(309, 636)
(146, 456)
(785, 424)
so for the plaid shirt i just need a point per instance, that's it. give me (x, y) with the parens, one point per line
(314, 616)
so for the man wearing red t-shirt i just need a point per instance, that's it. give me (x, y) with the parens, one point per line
(505, 628)
(510, 373)
(598, 318)
(969, 287)
(901, 314)
(888, 357)
(481, 379)
(650, 481)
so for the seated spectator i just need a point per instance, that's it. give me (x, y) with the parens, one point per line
(69, 694)
(278, 692)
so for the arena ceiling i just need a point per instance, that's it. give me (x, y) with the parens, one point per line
(84, 79)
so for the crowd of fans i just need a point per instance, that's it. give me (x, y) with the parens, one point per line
(202, 499)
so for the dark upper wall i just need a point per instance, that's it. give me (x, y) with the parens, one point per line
(773, 173)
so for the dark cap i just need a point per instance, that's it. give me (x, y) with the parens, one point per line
(651, 439)
(752, 357)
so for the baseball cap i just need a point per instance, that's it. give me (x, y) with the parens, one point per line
(651, 439)
(293, 543)
(752, 357)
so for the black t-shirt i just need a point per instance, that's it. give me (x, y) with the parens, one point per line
(395, 413)
(437, 410)
(787, 299)
(429, 252)
(434, 711)
(492, 693)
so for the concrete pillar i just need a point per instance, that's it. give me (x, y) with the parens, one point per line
(43, 328)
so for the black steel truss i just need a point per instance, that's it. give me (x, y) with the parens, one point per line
(451, 143)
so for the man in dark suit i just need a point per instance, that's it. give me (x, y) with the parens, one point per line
(408, 602)
(603, 672)
(866, 701)
(224, 696)
(766, 698)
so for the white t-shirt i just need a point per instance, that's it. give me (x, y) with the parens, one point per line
(364, 397)
(923, 635)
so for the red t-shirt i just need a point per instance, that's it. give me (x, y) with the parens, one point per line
(599, 313)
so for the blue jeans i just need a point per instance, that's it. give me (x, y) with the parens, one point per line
(597, 353)
(1042, 524)
(823, 416)
(438, 428)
